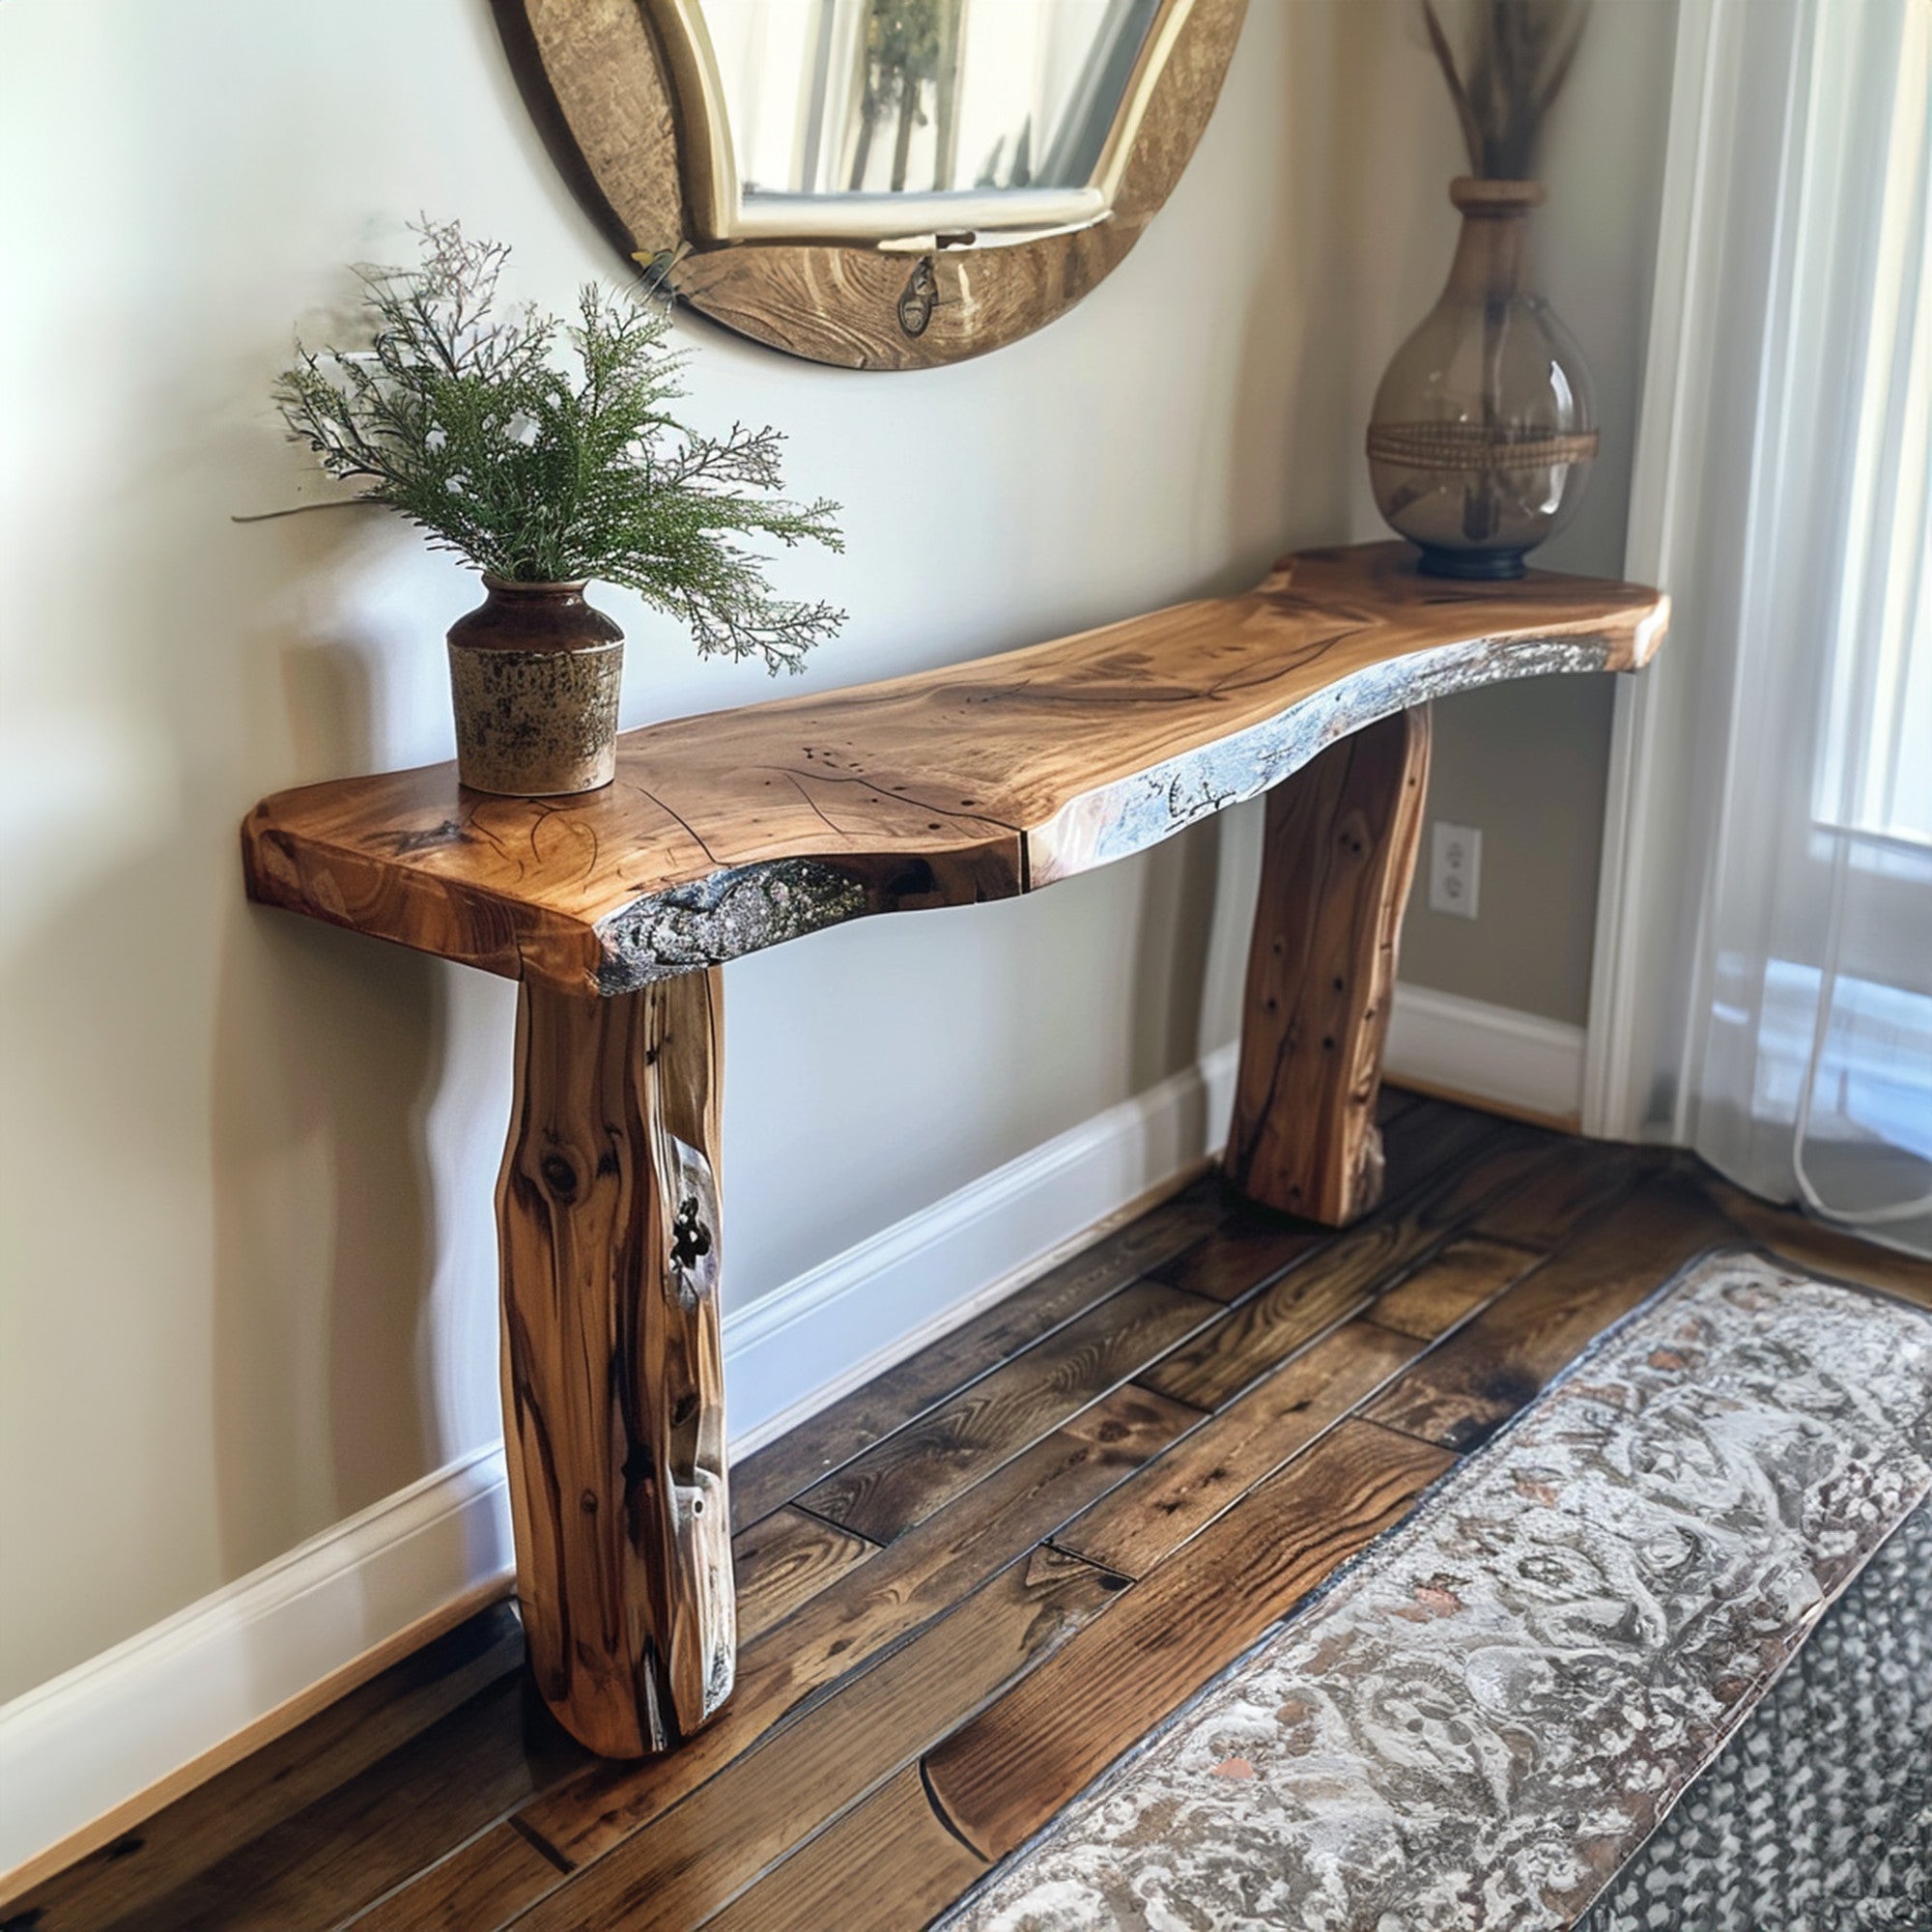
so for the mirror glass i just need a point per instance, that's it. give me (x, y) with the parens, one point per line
(890, 116)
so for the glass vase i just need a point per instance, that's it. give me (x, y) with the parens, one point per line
(1485, 425)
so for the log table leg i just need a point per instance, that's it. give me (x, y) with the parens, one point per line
(1342, 837)
(614, 1410)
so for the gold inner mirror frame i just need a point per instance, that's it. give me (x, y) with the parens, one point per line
(631, 102)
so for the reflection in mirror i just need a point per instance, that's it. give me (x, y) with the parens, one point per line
(893, 114)
(875, 183)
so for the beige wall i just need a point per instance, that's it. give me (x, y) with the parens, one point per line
(247, 1257)
(1527, 762)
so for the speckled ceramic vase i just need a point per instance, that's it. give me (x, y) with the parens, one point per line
(534, 671)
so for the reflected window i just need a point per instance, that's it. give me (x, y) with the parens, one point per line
(922, 96)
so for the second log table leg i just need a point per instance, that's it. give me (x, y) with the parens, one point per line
(1342, 839)
(613, 1402)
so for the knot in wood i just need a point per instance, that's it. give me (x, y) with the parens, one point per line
(918, 299)
(690, 1238)
(559, 1176)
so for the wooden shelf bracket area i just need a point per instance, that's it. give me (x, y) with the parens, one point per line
(736, 830)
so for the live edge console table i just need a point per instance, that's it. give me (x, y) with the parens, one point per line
(736, 830)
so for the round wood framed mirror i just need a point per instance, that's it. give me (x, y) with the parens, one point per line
(875, 183)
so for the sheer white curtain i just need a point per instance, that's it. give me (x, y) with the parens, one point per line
(1765, 963)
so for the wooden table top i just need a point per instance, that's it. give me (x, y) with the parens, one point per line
(736, 830)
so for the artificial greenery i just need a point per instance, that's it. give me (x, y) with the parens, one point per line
(459, 414)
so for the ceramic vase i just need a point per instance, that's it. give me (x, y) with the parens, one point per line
(534, 671)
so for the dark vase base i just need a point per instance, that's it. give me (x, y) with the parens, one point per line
(1483, 566)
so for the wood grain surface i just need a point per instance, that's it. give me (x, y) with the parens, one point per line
(1567, 1188)
(327, 1859)
(786, 1559)
(903, 1480)
(898, 1395)
(672, 1874)
(1185, 1487)
(735, 831)
(613, 1366)
(1241, 1254)
(478, 1882)
(1460, 1394)
(1336, 1281)
(1340, 853)
(886, 1865)
(997, 1780)
(223, 1826)
(1453, 1282)
(862, 1615)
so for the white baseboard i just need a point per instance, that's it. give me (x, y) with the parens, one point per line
(788, 1354)
(1513, 1059)
(84, 1748)
(87, 1754)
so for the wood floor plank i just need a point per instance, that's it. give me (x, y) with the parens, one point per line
(1339, 1281)
(344, 1851)
(694, 1860)
(1460, 1394)
(786, 1559)
(1453, 1282)
(904, 1479)
(1250, 1247)
(887, 1865)
(1147, 1516)
(1257, 1335)
(1002, 1774)
(482, 1884)
(1578, 1180)
(800, 1458)
(125, 1881)
(900, 1589)
(952, 1554)
(1430, 1135)
(1253, 1244)
(1784, 1232)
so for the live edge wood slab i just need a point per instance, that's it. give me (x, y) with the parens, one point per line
(736, 830)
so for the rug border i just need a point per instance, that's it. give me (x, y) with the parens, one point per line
(1303, 1606)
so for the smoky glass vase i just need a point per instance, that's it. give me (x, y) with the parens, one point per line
(1485, 425)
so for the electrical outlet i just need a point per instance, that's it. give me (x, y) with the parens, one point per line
(1455, 868)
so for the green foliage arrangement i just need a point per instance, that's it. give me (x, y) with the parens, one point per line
(459, 414)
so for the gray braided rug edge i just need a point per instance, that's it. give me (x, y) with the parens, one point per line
(1817, 1816)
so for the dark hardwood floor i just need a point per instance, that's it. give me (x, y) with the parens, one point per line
(968, 1586)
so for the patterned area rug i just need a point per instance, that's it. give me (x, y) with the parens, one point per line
(1478, 1721)
(1818, 1814)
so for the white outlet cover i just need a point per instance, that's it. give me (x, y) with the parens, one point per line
(1454, 869)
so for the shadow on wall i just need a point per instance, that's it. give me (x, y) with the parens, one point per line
(1298, 338)
(328, 1052)
(1175, 923)
(1372, 233)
